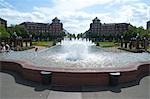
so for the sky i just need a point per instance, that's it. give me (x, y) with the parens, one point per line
(76, 15)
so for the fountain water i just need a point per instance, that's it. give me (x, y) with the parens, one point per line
(77, 48)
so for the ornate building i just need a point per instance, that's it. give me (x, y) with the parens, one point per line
(98, 30)
(56, 28)
(95, 27)
(53, 30)
(35, 28)
(3, 23)
(148, 25)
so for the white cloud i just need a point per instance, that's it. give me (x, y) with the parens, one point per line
(4, 4)
(137, 14)
(75, 19)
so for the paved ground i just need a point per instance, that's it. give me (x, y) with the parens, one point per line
(13, 86)
(39, 48)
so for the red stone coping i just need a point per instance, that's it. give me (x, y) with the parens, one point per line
(77, 76)
(128, 67)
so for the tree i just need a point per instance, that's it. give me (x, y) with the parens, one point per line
(3, 33)
(133, 31)
(20, 30)
(62, 34)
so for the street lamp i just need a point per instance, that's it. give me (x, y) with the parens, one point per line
(121, 36)
(144, 43)
(30, 36)
(121, 41)
(137, 41)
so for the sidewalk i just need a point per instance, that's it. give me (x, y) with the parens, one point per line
(14, 87)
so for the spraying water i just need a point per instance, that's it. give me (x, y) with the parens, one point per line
(77, 49)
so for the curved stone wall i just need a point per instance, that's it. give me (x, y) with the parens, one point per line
(62, 77)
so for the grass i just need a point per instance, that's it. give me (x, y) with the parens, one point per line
(108, 44)
(43, 43)
(148, 47)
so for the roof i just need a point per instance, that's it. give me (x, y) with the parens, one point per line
(148, 21)
(3, 19)
(55, 19)
(96, 19)
(105, 24)
(35, 23)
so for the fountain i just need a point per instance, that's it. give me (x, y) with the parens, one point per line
(77, 49)
(77, 62)
(77, 53)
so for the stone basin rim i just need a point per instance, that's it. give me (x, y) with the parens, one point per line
(128, 67)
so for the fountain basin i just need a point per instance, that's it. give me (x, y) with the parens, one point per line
(77, 77)
(77, 63)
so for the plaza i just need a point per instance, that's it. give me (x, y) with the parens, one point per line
(14, 87)
(74, 49)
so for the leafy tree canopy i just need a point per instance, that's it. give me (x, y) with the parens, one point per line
(4, 33)
(20, 30)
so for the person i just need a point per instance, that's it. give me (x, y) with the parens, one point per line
(1, 48)
(7, 47)
(36, 49)
(4, 48)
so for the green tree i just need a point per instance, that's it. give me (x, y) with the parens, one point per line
(20, 30)
(133, 31)
(73, 35)
(3, 33)
(62, 34)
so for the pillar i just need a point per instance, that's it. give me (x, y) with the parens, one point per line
(126, 44)
(15, 43)
(30, 42)
(121, 44)
(130, 45)
(137, 44)
(21, 43)
(26, 43)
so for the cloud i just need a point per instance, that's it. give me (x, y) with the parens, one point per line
(4, 4)
(137, 14)
(74, 17)
(73, 5)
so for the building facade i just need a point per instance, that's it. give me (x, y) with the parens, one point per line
(3, 23)
(98, 29)
(35, 28)
(95, 27)
(56, 28)
(148, 25)
(53, 30)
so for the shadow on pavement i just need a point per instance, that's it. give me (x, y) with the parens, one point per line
(41, 87)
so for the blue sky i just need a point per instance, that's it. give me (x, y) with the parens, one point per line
(76, 15)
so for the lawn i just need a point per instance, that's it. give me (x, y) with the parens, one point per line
(108, 44)
(149, 47)
(43, 43)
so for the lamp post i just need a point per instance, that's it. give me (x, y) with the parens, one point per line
(145, 48)
(30, 36)
(137, 41)
(121, 41)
